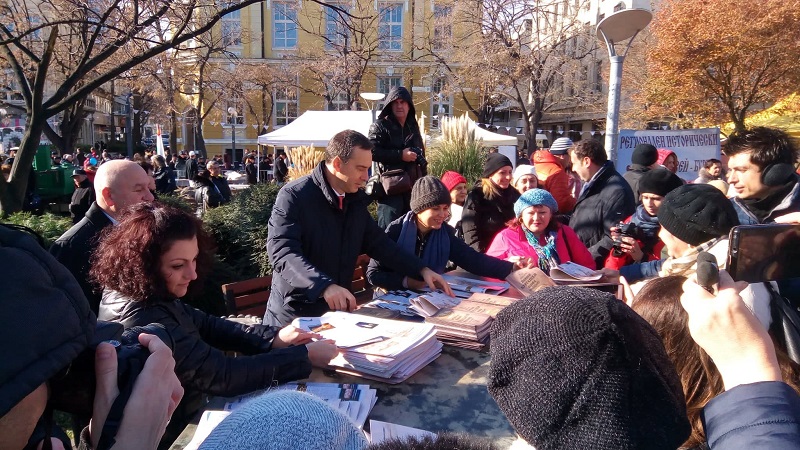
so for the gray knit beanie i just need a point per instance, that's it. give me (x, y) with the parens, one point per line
(428, 192)
(561, 146)
(575, 368)
(285, 420)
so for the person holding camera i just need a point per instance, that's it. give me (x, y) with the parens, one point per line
(536, 235)
(636, 238)
(152, 260)
(33, 359)
(400, 151)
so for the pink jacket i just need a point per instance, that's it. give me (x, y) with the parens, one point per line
(512, 242)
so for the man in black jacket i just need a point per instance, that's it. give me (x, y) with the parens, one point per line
(319, 226)
(606, 198)
(83, 197)
(118, 184)
(397, 144)
(192, 168)
(219, 180)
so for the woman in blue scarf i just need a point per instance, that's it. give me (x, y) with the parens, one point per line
(424, 232)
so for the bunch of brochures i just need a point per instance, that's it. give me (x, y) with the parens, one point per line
(379, 349)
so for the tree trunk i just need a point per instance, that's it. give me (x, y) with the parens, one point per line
(12, 192)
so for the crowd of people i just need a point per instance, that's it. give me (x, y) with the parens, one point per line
(671, 365)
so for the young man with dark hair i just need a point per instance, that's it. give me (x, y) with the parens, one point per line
(319, 226)
(605, 200)
(762, 170)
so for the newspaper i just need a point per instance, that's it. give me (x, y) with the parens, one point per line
(471, 286)
(405, 347)
(344, 337)
(385, 431)
(528, 281)
(569, 272)
(430, 303)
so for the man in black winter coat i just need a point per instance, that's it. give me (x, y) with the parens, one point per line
(118, 184)
(192, 167)
(397, 144)
(83, 197)
(319, 226)
(281, 170)
(606, 198)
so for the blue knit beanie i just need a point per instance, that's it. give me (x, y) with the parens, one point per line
(285, 420)
(535, 197)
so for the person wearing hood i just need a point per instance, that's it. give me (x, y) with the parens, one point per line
(398, 144)
(642, 160)
(552, 173)
(668, 159)
(206, 194)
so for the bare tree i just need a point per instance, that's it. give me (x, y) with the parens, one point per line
(106, 37)
(531, 54)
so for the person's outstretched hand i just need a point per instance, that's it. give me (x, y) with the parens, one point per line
(291, 335)
(734, 338)
(156, 393)
(339, 298)
(435, 281)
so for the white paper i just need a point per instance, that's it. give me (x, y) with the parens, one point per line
(208, 421)
(384, 431)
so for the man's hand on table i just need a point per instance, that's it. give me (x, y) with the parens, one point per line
(339, 298)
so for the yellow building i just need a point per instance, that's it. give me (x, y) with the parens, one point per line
(333, 57)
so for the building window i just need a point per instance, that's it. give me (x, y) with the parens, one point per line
(385, 84)
(598, 77)
(442, 28)
(619, 6)
(285, 106)
(284, 30)
(390, 27)
(338, 102)
(336, 29)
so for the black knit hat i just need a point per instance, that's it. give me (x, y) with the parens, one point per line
(696, 213)
(644, 154)
(495, 162)
(428, 192)
(659, 182)
(575, 368)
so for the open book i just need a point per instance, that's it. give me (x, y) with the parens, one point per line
(528, 281)
(569, 272)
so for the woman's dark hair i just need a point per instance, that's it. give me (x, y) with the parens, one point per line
(128, 257)
(659, 304)
(710, 163)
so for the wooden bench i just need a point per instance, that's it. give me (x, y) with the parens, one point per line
(248, 296)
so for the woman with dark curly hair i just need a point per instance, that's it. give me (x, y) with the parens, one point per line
(147, 263)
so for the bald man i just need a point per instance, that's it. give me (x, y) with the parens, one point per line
(118, 184)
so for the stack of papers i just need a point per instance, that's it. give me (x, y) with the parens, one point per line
(379, 349)
(569, 272)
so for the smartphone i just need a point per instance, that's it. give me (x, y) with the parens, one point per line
(769, 252)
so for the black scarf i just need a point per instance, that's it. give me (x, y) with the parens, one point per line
(763, 207)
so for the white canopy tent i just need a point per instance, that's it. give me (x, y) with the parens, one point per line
(317, 128)
(491, 139)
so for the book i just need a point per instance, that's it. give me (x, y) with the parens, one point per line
(528, 281)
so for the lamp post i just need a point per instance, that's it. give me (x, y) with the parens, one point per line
(618, 27)
(372, 98)
(233, 114)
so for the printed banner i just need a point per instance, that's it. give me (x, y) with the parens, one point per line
(693, 147)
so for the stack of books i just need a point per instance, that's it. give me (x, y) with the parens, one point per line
(461, 323)
(379, 349)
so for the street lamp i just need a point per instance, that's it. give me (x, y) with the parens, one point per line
(372, 98)
(232, 113)
(616, 28)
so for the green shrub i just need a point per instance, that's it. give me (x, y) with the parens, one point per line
(457, 149)
(464, 158)
(49, 226)
(178, 200)
(240, 230)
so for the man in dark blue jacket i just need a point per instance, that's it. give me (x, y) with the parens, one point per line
(319, 226)
(605, 200)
